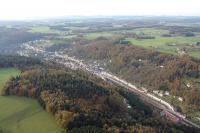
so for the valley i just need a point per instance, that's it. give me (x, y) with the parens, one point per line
(116, 74)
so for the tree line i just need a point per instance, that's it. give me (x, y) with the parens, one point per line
(82, 102)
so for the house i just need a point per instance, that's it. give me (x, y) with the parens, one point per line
(155, 91)
(180, 99)
(144, 89)
(188, 85)
(161, 66)
(160, 94)
(129, 107)
(167, 93)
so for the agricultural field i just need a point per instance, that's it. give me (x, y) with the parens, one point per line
(5, 74)
(92, 36)
(125, 47)
(23, 115)
(163, 43)
(195, 53)
(43, 29)
(171, 45)
(149, 31)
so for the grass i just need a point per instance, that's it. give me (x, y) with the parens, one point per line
(163, 40)
(69, 37)
(150, 31)
(5, 74)
(23, 115)
(159, 43)
(195, 117)
(195, 54)
(43, 29)
(92, 36)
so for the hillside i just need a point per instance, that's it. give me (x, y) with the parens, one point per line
(179, 76)
(81, 102)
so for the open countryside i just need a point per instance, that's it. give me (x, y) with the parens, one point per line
(100, 66)
(23, 115)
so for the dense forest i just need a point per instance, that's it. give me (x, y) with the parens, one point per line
(19, 62)
(151, 69)
(81, 102)
(10, 36)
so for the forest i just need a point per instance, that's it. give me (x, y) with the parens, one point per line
(11, 36)
(132, 49)
(81, 102)
(149, 68)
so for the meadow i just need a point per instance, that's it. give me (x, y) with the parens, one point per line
(23, 115)
(43, 29)
(92, 36)
(5, 74)
(160, 43)
(163, 44)
(149, 31)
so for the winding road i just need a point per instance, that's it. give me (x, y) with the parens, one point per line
(73, 63)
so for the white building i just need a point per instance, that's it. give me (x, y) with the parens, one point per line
(188, 85)
(167, 93)
(180, 99)
(155, 91)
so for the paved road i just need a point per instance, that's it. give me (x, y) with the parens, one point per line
(77, 64)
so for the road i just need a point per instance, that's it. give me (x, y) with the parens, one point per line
(73, 63)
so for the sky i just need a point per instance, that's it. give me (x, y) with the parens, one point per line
(31, 9)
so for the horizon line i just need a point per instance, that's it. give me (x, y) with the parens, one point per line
(91, 16)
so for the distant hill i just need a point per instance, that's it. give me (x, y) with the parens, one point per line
(148, 68)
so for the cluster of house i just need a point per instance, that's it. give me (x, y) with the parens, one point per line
(180, 52)
(165, 93)
(161, 93)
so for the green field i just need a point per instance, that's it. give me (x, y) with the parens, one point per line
(92, 36)
(163, 40)
(5, 74)
(43, 29)
(195, 54)
(160, 44)
(23, 115)
(149, 31)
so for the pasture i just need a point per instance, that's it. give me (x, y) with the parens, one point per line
(43, 29)
(92, 36)
(23, 115)
(149, 31)
(163, 44)
(5, 74)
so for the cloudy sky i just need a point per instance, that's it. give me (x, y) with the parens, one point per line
(28, 9)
